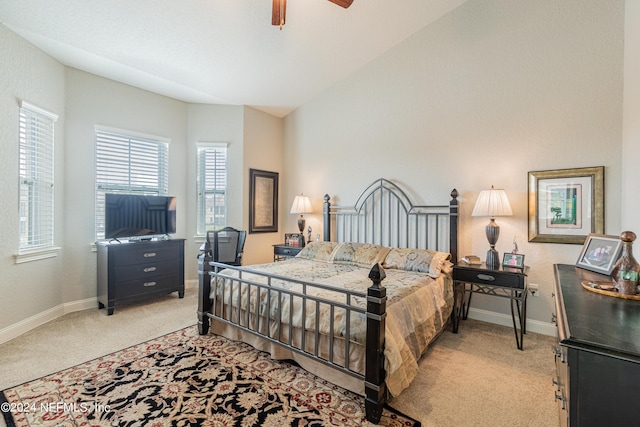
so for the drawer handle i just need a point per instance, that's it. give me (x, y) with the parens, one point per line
(149, 284)
(486, 277)
(150, 269)
(149, 254)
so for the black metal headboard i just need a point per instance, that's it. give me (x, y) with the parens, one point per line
(384, 215)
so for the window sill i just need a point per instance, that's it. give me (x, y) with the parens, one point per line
(36, 255)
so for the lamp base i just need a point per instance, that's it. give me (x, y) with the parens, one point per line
(493, 259)
(493, 232)
(301, 223)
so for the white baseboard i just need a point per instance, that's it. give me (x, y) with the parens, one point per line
(17, 329)
(191, 284)
(535, 326)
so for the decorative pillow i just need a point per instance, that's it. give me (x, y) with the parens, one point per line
(359, 254)
(317, 251)
(418, 260)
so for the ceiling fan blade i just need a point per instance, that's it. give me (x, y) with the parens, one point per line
(279, 12)
(343, 3)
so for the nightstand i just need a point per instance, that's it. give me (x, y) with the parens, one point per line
(282, 251)
(501, 281)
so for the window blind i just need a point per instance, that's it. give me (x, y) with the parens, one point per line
(36, 178)
(128, 164)
(212, 187)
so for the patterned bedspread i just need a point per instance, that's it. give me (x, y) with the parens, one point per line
(418, 307)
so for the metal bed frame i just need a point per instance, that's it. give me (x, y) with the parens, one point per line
(382, 215)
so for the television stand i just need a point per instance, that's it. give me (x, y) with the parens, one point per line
(139, 270)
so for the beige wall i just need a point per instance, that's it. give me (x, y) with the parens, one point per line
(490, 91)
(262, 150)
(90, 101)
(631, 131)
(28, 74)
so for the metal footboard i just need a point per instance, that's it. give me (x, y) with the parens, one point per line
(250, 313)
(263, 317)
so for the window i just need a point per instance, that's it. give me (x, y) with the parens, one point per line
(212, 187)
(36, 179)
(129, 163)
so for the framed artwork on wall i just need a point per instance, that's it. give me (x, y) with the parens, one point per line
(566, 205)
(263, 201)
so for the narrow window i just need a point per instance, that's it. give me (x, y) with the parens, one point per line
(212, 187)
(36, 179)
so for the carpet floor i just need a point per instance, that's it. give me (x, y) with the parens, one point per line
(184, 379)
(474, 378)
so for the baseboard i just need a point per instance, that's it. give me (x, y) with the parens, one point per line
(535, 326)
(191, 284)
(23, 326)
(17, 329)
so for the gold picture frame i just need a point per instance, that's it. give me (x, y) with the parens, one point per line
(566, 205)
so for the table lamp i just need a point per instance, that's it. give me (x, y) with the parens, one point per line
(301, 205)
(492, 203)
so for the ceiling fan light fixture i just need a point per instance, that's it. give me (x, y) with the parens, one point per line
(343, 3)
(279, 10)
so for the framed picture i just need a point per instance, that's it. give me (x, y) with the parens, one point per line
(513, 260)
(600, 253)
(294, 239)
(566, 205)
(263, 201)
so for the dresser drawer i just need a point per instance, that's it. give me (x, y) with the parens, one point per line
(148, 269)
(149, 285)
(490, 278)
(137, 253)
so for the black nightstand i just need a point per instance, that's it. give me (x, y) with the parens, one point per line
(502, 282)
(282, 251)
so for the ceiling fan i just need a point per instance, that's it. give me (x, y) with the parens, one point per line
(279, 10)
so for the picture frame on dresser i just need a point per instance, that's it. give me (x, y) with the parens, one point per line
(600, 253)
(566, 205)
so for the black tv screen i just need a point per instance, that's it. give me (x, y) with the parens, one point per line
(131, 215)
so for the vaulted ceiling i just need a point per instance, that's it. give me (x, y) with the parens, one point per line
(220, 51)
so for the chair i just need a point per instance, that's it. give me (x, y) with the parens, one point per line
(227, 245)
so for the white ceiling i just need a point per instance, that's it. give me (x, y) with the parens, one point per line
(220, 51)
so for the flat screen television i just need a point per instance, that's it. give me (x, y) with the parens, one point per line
(133, 215)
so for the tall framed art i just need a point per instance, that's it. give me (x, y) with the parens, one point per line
(263, 201)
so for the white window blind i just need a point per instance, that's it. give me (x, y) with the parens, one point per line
(131, 164)
(36, 178)
(212, 187)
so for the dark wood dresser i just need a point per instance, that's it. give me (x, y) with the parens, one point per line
(598, 353)
(138, 270)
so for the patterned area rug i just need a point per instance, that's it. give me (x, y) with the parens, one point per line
(184, 379)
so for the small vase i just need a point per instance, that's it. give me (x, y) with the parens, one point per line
(626, 272)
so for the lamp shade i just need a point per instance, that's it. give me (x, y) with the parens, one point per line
(301, 204)
(492, 203)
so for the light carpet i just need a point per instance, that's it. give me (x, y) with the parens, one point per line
(184, 379)
(474, 378)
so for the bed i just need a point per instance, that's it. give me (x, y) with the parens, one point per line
(357, 309)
